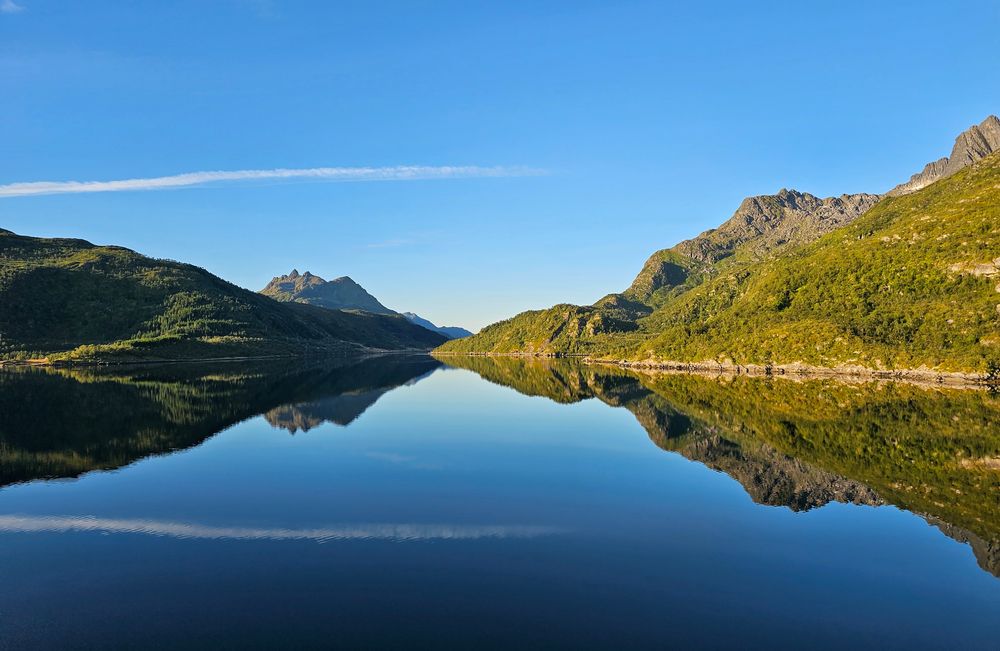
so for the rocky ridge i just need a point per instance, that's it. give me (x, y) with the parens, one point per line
(761, 225)
(338, 294)
(974, 144)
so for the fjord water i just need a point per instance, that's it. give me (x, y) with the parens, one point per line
(404, 503)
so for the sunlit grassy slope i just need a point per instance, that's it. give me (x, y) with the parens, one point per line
(913, 282)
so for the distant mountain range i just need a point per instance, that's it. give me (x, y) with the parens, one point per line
(66, 299)
(902, 280)
(342, 294)
(452, 332)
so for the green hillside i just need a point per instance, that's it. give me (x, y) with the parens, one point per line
(912, 282)
(69, 299)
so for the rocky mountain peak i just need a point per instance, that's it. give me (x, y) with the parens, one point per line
(974, 144)
(977, 142)
(761, 225)
(765, 222)
(338, 294)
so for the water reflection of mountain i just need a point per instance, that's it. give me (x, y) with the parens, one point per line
(341, 409)
(803, 444)
(795, 444)
(62, 423)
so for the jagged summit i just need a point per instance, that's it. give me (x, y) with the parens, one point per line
(342, 293)
(974, 144)
(338, 294)
(760, 225)
(764, 222)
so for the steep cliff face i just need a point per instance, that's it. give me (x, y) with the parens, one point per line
(974, 144)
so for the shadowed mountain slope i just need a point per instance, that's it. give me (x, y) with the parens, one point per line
(57, 423)
(452, 332)
(70, 299)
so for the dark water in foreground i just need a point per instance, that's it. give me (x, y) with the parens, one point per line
(400, 503)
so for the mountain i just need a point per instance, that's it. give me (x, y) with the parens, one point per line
(452, 332)
(973, 144)
(343, 408)
(904, 281)
(342, 294)
(337, 294)
(760, 226)
(68, 299)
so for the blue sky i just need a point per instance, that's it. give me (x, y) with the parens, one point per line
(651, 120)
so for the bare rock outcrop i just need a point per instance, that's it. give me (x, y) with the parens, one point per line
(974, 144)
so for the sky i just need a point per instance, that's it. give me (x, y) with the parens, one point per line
(464, 160)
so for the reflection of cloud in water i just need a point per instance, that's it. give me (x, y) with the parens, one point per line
(393, 532)
(403, 460)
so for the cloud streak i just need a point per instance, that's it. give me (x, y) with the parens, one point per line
(393, 532)
(189, 179)
(10, 7)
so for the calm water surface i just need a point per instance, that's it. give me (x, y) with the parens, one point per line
(403, 503)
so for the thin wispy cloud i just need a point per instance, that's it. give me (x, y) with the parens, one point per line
(189, 179)
(10, 7)
(393, 532)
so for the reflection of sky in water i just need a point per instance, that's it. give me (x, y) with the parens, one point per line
(558, 525)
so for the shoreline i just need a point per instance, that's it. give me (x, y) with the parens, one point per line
(919, 376)
(358, 354)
